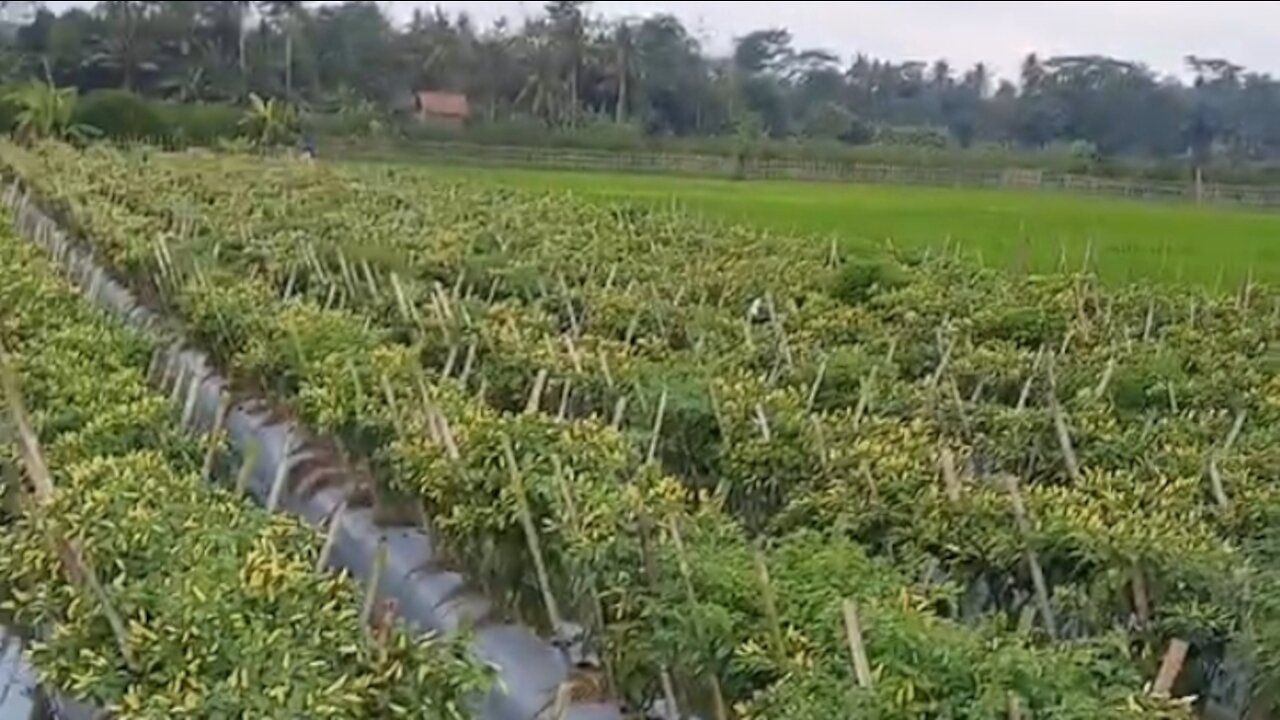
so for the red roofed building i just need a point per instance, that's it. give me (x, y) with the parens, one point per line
(442, 107)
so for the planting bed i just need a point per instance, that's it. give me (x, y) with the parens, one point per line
(765, 479)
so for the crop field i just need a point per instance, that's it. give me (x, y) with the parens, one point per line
(1123, 241)
(772, 476)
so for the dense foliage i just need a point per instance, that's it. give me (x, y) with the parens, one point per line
(676, 395)
(619, 80)
(221, 609)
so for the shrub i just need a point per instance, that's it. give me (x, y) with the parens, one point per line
(198, 123)
(861, 280)
(119, 114)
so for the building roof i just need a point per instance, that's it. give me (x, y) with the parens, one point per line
(446, 104)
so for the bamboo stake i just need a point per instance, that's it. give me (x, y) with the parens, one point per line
(950, 479)
(947, 349)
(1105, 381)
(390, 396)
(1170, 667)
(371, 585)
(193, 394)
(1150, 321)
(215, 436)
(762, 421)
(853, 632)
(468, 364)
(33, 458)
(1060, 426)
(450, 360)
(821, 439)
(604, 370)
(565, 392)
(619, 411)
(1141, 599)
(531, 534)
(77, 567)
(1033, 562)
(817, 384)
(330, 537)
(657, 427)
(282, 474)
(251, 456)
(535, 395)
(1015, 706)
(682, 558)
(770, 603)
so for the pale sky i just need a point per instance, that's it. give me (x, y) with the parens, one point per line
(998, 33)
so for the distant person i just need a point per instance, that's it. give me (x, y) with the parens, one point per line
(309, 148)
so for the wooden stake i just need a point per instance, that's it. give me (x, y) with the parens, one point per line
(33, 457)
(817, 384)
(770, 604)
(371, 585)
(390, 396)
(330, 537)
(656, 435)
(1170, 667)
(282, 474)
(682, 558)
(853, 631)
(531, 534)
(535, 395)
(1033, 562)
(1141, 600)
(215, 436)
(1101, 389)
(193, 394)
(251, 456)
(1061, 428)
(762, 421)
(565, 392)
(947, 349)
(619, 412)
(950, 479)
(468, 364)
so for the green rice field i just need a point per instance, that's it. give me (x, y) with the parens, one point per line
(1124, 240)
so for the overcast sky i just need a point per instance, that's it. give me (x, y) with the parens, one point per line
(998, 33)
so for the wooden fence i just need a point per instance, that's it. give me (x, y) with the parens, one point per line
(809, 170)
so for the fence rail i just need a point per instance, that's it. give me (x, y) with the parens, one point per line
(812, 170)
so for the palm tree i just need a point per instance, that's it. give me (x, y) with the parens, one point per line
(624, 46)
(284, 15)
(568, 31)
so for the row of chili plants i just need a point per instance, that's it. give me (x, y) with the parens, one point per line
(156, 593)
(870, 483)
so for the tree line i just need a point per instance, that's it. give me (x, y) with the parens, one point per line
(566, 68)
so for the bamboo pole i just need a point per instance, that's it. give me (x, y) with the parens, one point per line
(950, 478)
(769, 602)
(1033, 561)
(656, 435)
(531, 534)
(215, 436)
(282, 475)
(251, 456)
(535, 395)
(817, 385)
(857, 648)
(371, 586)
(330, 537)
(1170, 668)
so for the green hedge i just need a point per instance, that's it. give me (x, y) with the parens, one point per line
(122, 115)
